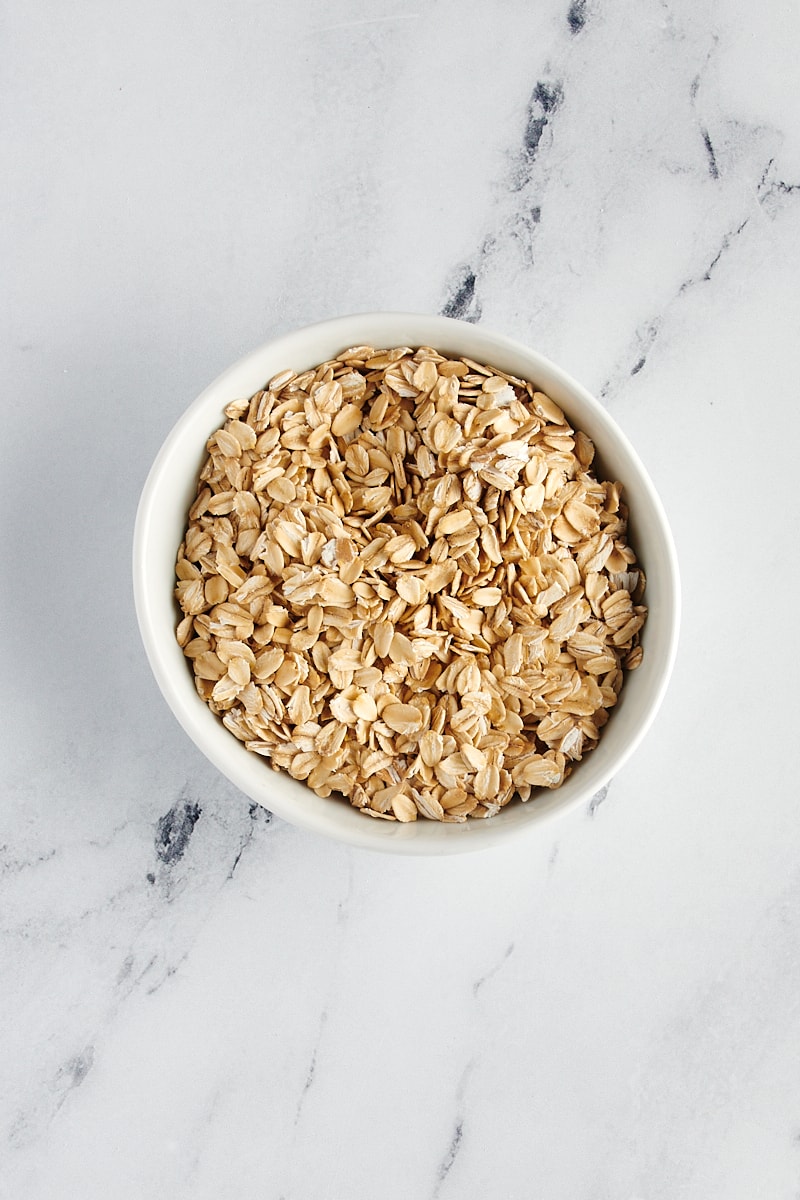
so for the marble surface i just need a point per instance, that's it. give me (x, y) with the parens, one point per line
(200, 1001)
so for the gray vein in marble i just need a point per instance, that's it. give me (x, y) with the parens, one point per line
(12, 866)
(783, 188)
(463, 300)
(597, 799)
(771, 191)
(462, 303)
(694, 89)
(725, 141)
(450, 1157)
(476, 987)
(713, 169)
(546, 99)
(258, 816)
(175, 828)
(29, 1121)
(149, 930)
(170, 970)
(451, 1154)
(576, 16)
(74, 1071)
(173, 833)
(312, 1068)
(102, 843)
(126, 970)
(645, 338)
(727, 241)
(647, 334)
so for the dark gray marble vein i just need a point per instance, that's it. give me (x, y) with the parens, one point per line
(457, 1137)
(170, 888)
(176, 832)
(647, 334)
(694, 89)
(199, 846)
(546, 99)
(772, 191)
(727, 241)
(451, 1155)
(781, 188)
(463, 289)
(462, 302)
(645, 337)
(175, 829)
(713, 169)
(576, 16)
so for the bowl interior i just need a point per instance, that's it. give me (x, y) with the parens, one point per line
(161, 520)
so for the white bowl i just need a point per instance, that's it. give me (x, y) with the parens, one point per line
(160, 523)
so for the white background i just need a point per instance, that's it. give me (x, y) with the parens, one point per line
(234, 1009)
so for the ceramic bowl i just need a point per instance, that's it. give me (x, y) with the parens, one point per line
(161, 518)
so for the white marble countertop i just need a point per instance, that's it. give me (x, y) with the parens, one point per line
(202, 1002)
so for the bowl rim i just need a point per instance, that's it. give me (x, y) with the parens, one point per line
(418, 838)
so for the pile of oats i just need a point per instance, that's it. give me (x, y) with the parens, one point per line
(402, 583)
